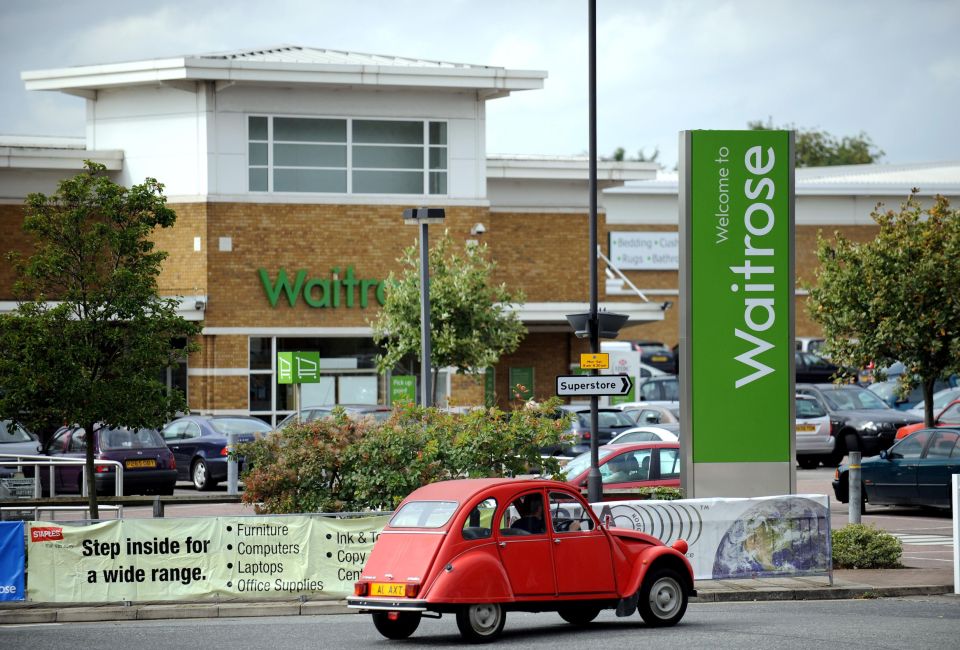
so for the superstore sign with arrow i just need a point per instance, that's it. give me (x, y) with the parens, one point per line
(571, 386)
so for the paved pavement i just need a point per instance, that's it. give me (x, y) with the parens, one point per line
(846, 584)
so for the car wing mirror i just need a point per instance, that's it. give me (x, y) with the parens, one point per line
(607, 521)
(883, 454)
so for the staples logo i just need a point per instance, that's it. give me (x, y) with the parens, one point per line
(46, 534)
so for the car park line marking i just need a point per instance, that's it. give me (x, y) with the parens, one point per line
(924, 540)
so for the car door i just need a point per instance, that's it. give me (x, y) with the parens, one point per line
(575, 537)
(526, 553)
(939, 462)
(173, 434)
(68, 476)
(188, 445)
(894, 479)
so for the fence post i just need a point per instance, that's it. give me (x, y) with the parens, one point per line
(955, 499)
(157, 507)
(231, 463)
(856, 498)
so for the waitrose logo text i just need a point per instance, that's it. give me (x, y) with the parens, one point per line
(339, 290)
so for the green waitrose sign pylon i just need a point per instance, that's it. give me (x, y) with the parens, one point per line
(737, 313)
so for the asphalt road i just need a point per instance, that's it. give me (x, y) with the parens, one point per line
(920, 622)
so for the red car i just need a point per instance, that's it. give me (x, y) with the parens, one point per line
(478, 548)
(630, 465)
(948, 417)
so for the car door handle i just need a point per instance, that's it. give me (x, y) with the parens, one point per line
(556, 540)
(502, 544)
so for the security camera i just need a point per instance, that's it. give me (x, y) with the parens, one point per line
(478, 229)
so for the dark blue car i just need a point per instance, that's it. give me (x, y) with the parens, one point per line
(914, 472)
(199, 444)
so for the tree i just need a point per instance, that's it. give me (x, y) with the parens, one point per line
(895, 297)
(470, 325)
(620, 154)
(94, 355)
(820, 149)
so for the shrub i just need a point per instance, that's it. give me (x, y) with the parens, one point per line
(340, 464)
(857, 546)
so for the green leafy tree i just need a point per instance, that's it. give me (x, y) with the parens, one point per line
(469, 328)
(895, 297)
(90, 335)
(821, 149)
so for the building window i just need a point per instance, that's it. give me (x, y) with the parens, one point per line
(346, 156)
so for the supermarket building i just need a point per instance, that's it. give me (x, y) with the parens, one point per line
(289, 169)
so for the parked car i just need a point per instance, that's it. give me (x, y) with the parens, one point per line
(668, 432)
(629, 465)
(940, 400)
(809, 344)
(652, 413)
(812, 368)
(665, 388)
(467, 548)
(656, 354)
(859, 420)
(814, 438)
(378, 412)
(199, 444)
(16, 440)
(576, 439)
(914, 472)
(148, 466)
(948, 417)
(888, 391)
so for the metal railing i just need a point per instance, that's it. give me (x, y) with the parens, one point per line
(19, 461)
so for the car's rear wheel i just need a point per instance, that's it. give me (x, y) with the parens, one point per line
(579, 614)
(663, 599)
(481, 623)
(396, 625)
(200, 474)
(808, 462)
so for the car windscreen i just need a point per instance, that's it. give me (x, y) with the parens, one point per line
(12, 432)
(580, 464)
(808, 408)
(239, 426)
(117, 439)
(424, 514)
(846, 398)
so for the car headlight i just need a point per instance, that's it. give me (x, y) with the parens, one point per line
(869, 426)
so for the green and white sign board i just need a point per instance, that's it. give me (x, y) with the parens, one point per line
(403, 389)
(737, 313)
(298, 367)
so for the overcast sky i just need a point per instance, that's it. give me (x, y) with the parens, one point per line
(890, 68)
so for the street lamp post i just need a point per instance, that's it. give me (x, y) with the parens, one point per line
(423, 217)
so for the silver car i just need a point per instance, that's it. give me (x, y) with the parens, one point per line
(815, 442)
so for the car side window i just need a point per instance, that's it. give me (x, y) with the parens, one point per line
(78, 441)
(567, 515)
(649, 416)
(479, 522)
(942, 444)
(191, 431)
(669, 463)
(58, 443)
(911, 446)
(627, 467)
(524, 516)
(671, 389)
(173, 431)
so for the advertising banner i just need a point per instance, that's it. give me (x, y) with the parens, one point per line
(737, 538)
(11, 560)
(737, 309)
(174, 559)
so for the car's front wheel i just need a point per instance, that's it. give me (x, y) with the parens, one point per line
(808, 462)
(663, 599)
(481, 623)
(200, 474)
(396, 625)
(579, 614)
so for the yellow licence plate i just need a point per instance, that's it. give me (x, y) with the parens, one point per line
(387, 589)
(658, 358)
(806, 427)
(141, 462)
